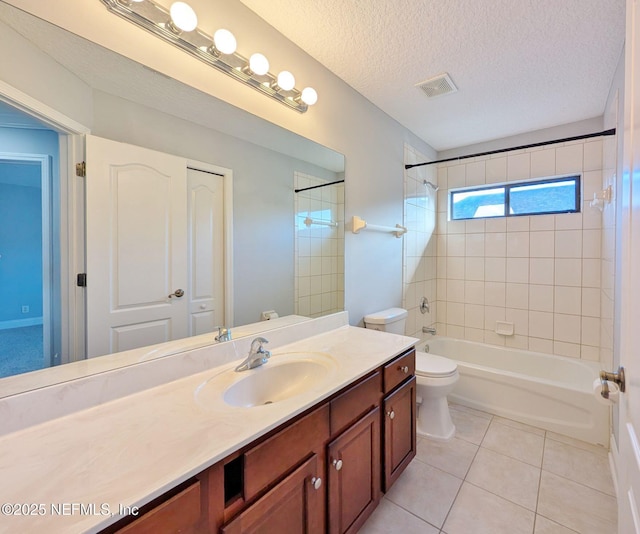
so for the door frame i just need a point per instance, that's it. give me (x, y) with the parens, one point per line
(71, 151)
(227, 206)
(46, 250)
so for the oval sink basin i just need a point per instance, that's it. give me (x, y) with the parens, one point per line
(284, 376)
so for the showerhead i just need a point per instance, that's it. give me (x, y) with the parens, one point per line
(432, 186)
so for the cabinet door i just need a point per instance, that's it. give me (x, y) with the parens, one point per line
(354, 474)
(294, 506)
(399, 431)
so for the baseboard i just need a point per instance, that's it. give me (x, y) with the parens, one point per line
(19, 323)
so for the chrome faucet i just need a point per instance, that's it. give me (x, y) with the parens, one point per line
(428, 330)
(224, 334)
(257, 355)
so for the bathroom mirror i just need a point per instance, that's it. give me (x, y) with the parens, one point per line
(287, 246)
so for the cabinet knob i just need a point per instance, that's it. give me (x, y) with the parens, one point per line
(316, 482)
(391, 414)
(337, 464)
(404, 369)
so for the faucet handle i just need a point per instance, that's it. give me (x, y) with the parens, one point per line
(224, 334)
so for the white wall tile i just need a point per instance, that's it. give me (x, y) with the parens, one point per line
(541, 298)
(568, 272)
(474, 316)
(493, 314)
(455, 291)
(541, 325)
(517, 342)
(592, 155)
(542, 244)
(591, 243)
(474, 292)
(455, 313)
(567, 300)
(456, 176)
(569, 159)
(495, 269)
(475, 226)
(569, 221)
(591, 273)
(541, 271)
(591, 302)
(519, 166)
(517, 296)
(475, 245)
(455, 268)
(542, 222)
(591, 331)
(475, 173)
(518, 244)
(474, 334)
(543, 163)
(541, 345)
(495, 293)
(496, 170)
(591, 183)
(474, 268)
(518, 270)
(566, 328)
(495, 245)
(520, 320)
(570, 350)
(497, 224)
(568, 244)
(518, 224)
(456, 244)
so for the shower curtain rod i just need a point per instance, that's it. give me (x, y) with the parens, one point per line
(316, 186)
(612, 131)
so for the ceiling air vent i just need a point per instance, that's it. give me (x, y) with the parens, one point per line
(438, 86)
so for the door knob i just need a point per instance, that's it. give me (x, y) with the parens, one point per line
(316, 482)
(616, 378)
(177, 293)
(337, 464)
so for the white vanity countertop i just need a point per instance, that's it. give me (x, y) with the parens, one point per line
(133, 449)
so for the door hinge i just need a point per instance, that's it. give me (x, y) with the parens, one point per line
(81, 280)
(81, 169)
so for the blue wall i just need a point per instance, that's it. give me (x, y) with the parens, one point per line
(19, 224)
(20, 248)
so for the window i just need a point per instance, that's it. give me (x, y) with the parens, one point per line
(552, 195)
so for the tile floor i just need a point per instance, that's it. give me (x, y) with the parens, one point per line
(499, 476)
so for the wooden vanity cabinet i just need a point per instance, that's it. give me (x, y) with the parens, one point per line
(354, 474)
(399, 417)
(323, 471)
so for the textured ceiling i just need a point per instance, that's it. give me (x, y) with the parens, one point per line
(519, 65)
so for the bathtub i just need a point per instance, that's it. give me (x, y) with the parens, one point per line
(550, 392)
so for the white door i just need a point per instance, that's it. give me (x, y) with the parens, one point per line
(629, 406)
(205, 208)
(136, 235)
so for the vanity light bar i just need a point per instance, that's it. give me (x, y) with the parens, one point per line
(158, 20)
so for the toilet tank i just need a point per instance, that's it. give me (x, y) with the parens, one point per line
(390, 320)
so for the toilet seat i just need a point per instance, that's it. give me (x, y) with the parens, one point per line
(431, 365)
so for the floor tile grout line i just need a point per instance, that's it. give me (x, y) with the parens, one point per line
(544, 446)
(444, 522)
(557, 522)
(581, 484)
(411, 513)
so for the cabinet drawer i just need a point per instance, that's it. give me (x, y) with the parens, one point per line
(266, 462)
(399, 370)
(355, 402)
(180, 513)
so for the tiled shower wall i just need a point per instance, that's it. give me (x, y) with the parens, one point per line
(319, 248)
(542, 273)
(419, 253)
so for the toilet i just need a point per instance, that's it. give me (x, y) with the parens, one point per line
(435, 377)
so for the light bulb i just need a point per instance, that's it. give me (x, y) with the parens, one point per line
(224, 41)
(259, 64)
(309, 96)
(286, 81)
(183, 16)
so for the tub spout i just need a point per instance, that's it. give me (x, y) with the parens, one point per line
(429, 330)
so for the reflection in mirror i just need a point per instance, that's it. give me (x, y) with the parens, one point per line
(280, 263)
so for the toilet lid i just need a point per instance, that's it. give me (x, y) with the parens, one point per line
(432, 365)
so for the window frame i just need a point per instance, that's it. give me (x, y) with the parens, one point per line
(507, 186)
